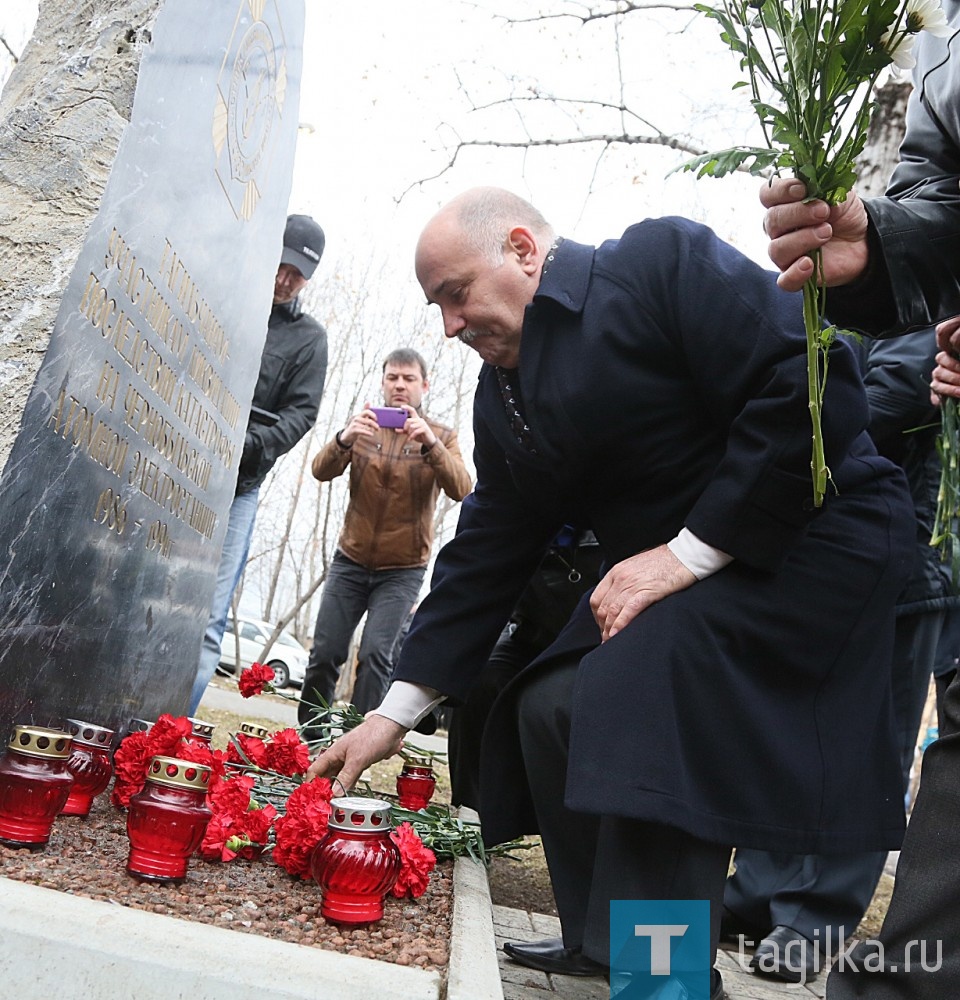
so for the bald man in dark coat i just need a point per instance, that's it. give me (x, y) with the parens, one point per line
(719, 687)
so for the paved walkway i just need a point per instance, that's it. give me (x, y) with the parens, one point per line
(528, 984)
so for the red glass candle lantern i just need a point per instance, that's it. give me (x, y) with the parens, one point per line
(89, 763)
(202, 730)
(34, 784)
(167, 819)
(356, 864)
(415, 783)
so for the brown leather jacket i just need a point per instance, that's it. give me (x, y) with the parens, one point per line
(394, 487)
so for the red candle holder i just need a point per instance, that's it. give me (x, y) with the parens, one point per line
(356, 864)
(34, 784)
(415, 783)
(89, 763)
(201, 730)
(167, 819)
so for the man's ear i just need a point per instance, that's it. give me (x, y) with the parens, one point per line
(523, 243)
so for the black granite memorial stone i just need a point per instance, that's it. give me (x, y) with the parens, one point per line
(113, 502)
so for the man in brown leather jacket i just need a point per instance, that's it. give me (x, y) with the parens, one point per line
(396, 474)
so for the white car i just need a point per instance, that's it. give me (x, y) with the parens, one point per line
(286, 656)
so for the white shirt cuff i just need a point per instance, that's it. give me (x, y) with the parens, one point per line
(701, 559)
(406, 703)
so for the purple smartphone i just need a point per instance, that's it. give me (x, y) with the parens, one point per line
(390, 416)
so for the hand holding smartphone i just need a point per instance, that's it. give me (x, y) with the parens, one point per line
(390, 416)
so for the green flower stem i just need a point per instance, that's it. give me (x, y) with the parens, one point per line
(945, 537)
(813, 326)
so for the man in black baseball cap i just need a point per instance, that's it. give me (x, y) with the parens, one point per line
(303, 243)
(293, 369)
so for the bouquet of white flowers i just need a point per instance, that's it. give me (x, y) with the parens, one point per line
(811, 67)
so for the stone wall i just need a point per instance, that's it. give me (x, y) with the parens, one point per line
(62, 113)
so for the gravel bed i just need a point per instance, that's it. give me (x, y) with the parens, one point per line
(87, 857)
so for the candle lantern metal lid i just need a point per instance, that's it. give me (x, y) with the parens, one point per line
(250, 729)
(167, 818)
(176, 773)
(360, 815)
(356, 863)
(201, 730)
(88, 734)
(34, 784)
(139, 726)
(39, 741)
(89, 763)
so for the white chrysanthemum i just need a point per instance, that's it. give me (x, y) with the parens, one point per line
(926, 15)
(902, 52)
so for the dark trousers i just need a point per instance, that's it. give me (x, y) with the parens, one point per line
(594, 859)
(386, 595)
(465, 731)
(824, 896)
(920, 937)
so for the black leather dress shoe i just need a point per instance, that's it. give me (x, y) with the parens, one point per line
(786, 954)
(551, 956)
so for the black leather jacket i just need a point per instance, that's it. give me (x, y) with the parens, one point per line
(914, 276)
(904, 426)
(293, 369)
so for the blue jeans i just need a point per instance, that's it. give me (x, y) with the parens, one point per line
(233, 558)
(387, 595)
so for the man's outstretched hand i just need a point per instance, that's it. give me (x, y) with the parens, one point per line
(376, 738)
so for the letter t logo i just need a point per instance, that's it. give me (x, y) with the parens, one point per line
(660, 935)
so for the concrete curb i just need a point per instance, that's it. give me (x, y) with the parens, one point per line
(52, 942)
(474, 973)
(109, 952)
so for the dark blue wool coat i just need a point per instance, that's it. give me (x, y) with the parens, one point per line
(664, 378)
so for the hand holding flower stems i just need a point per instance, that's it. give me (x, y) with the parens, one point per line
(811, 67)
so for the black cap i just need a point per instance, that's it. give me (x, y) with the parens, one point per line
(303, 242)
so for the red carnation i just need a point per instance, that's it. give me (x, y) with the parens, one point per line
(416, 862)
(302, 827)
(135, 751)
(286, 753)
(252, 747)
(255, 679)
(236, 826)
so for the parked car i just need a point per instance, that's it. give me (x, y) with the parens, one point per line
(286, 656)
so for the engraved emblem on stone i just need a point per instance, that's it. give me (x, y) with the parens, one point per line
(251, 88)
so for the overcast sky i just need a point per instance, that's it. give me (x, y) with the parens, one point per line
(387, 86)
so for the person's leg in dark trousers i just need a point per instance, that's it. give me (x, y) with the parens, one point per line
(392, 593)
(921, 931)
(342, 605)
(509, 657)
(593, 859)
(824, 896)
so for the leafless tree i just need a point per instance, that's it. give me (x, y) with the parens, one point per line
(617, 110)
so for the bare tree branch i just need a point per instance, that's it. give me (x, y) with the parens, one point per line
(6, 45)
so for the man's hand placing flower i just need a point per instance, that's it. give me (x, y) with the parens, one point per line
(376, 738)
